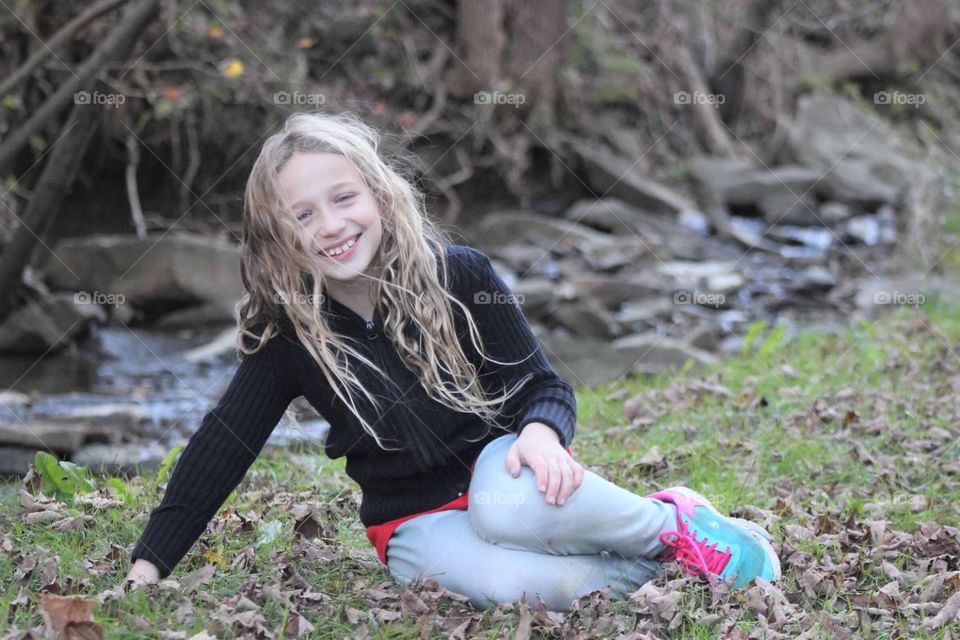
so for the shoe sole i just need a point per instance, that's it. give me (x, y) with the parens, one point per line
(759, 533)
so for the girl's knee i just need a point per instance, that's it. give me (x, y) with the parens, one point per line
(494, 513)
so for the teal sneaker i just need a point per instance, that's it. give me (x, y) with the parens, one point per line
(705, 542)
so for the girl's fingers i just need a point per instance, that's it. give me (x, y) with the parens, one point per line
(578, 475)
(556, 480)
(567, 488)
(541, 473)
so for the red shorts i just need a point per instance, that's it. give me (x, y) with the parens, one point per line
(379, 534)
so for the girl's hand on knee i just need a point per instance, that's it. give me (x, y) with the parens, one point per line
(557, 473)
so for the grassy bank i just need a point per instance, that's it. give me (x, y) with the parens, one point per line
(845, 446)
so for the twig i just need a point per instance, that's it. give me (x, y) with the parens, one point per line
(445, 185)
(706, 113)
(133, 195)
(129, 28)
(58, 40)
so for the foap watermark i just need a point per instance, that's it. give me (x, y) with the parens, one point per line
(496, 497)
(915, 502)
(701, 298)
(98, 297)
(499, 97)
(110, 99)
(280, 297)
(899, 298)
(298, 98)
(497, 297)
(898, 97)
(697, 97)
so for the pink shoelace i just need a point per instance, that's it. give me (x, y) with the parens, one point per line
(695, 556)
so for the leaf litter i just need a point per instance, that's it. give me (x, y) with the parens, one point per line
(875, 558)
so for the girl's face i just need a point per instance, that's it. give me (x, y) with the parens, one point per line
(325, 194)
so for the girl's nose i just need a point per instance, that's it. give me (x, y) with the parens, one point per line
(329, 228)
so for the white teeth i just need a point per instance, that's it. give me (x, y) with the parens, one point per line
(344, 247)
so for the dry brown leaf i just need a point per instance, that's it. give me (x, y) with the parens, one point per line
(523, 625)
(297, 626)
(947, 615)
(70, 617)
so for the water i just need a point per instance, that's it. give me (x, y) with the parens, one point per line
(139, 371)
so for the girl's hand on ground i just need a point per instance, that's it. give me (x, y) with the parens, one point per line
(143, 572)
(557, 473)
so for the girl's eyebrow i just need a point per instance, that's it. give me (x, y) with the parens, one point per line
(332, 188)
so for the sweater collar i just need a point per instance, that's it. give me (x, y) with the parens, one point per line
(347, 314)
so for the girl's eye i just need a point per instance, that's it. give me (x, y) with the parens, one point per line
(344, 198)
(301, 214)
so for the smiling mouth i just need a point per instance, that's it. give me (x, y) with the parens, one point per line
(355, 239)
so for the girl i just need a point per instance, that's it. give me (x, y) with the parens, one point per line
(454, 424)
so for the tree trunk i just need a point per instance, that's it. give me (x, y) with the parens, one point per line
(65, 154)
(48, 196)
(538, 44)
(481, 39)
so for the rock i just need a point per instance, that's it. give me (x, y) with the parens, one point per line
(159, 272)
(694, 220)
(656, 353)
(47, 324)
(618, 217)
(834, 212)
(224, 342)
(693, 272)
(611, 174)
(535, 295)
(784, 194)
(813, 277)
(545, 232)
(704, 336)
(522, 258)
(582, 360)
(124, 416)
(120, 459)
(123, 314)
(16, 461)
(751, 186)
(781, 193)
(792, 208)
(863, 157)
(665, 237)
(305, 433)
(750, 233)
(870, 230)
(65, 437)
(724, 282)
(819, 238)
(506, 274)
(645, 310)
(209, 313)
(731, 345)
(701, 283)
(586, 318)
(716, 172)
(11, 398)
(909, 290)
(612, 291)
(611, 258)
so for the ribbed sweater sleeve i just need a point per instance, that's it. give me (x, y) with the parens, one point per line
(218, 454)
(507, 337)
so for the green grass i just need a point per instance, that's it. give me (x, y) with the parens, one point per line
(812, 430)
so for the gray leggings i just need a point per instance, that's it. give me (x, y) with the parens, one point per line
(510, 540)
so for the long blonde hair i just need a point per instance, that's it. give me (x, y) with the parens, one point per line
(280, 273)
